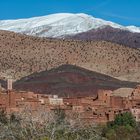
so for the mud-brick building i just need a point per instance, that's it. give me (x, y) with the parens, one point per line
(12, 101)
(136, 113)
(99, 108)
(135, 100)
(104, 107)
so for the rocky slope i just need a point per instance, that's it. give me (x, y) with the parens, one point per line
(69, 80)
(22, 55)
(108, 33)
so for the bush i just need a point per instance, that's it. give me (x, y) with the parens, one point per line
(123, 128)
(125, 119)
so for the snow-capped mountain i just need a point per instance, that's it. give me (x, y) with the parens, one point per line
(59, 25)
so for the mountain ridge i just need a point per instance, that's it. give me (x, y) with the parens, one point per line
(59, 25)
(110, 34)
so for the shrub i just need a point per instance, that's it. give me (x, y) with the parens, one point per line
(123, 128)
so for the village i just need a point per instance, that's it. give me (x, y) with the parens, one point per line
(100, 108)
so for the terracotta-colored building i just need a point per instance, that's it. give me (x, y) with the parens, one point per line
(100, 108)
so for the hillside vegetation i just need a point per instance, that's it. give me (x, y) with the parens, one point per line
(22, 55)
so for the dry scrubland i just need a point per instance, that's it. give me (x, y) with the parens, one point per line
(22, 55)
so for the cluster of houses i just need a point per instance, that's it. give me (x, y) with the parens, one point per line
(99, 108)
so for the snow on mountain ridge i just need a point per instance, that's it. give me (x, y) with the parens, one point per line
(58, 25)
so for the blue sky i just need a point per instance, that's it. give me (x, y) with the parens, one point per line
(126, 12)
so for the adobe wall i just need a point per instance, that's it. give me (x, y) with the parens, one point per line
(116, 102)
(100, 109)
(136, 113)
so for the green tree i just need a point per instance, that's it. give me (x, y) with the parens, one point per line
(123, 127)
(125, 119)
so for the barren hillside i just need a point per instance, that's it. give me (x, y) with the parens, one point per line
(114, 35)
(22, 55)
(69, 80)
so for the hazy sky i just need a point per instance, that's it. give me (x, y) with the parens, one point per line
(126, 12)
